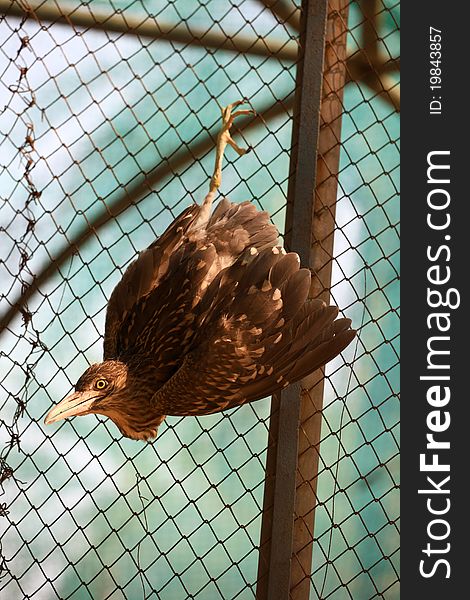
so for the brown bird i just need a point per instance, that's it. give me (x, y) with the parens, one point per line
(212, 315)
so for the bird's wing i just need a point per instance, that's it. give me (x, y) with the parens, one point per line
(161, 324)
(142, 276)
(234, 227)
(257, 332)
(180, 264)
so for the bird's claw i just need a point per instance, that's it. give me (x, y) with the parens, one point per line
(224, 138)
(228, 116)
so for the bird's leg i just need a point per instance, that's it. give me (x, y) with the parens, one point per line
(223, 139)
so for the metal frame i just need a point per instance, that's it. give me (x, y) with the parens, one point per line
(295, 422)
(146, 26)
(369, 65)
(277, 531)
(321, 261)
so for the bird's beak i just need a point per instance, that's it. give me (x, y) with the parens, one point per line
(78, 403)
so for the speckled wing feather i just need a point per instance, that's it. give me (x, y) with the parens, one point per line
(234, 227)
(260, 333)
(152, 309)
(142, 276)
(161, 324)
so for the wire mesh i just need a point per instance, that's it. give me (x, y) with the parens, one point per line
(356, 546)
(107, 134)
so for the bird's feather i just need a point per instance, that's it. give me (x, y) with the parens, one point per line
(253, 337)
(169, 278)
(142, 276)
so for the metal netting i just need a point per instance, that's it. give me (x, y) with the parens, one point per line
(109, 112)
(356, 547)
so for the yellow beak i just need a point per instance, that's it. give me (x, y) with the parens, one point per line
(77, 403)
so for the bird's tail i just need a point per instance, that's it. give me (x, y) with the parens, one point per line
(299, 335)
(278, 334)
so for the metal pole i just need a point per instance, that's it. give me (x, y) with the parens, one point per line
(321, 261)
(277, 531)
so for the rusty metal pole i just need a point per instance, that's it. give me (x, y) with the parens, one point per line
(292, 462)
(321, 261)
(277, 530)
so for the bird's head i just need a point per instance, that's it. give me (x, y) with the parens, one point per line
(109, 388)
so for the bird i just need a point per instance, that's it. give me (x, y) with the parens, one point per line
(212, 315)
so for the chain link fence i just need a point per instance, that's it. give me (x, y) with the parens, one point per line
(109, 112)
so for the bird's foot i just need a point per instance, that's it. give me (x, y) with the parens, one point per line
(228, 118)
(224, 138)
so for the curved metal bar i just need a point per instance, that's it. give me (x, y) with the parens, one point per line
(147, 26)
(285, 11)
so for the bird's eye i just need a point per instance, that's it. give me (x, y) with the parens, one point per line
(101, 384)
